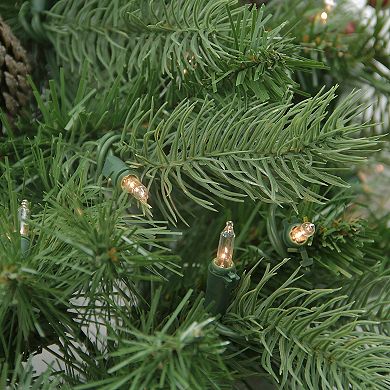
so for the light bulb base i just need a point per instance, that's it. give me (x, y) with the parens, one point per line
(220, 284)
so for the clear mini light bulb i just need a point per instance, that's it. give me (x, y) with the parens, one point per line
(329, 5)
(24, 215)
(224, 257)
(324, 16)
(299, 234)
(133, 186)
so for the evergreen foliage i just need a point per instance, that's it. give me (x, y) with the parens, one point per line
(225, 111)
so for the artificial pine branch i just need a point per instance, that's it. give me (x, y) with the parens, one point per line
(23, 377)
(78, 252)
(295, 328)
(181, 351)
(202, 99)
(237, 149)
(207, 43)
(352, 42)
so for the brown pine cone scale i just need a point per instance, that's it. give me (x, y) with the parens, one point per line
(14, 69)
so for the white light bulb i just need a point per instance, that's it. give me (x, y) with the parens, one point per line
(224, 257)
(133, 186)
(299, 234)
(324, 17)
(24, 215)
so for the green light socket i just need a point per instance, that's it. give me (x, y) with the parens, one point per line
(220, 284)
(24, 245)
(115, 169)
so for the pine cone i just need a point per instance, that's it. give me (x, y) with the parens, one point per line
(14, 68)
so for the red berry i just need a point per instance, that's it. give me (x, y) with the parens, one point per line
(350, 28)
